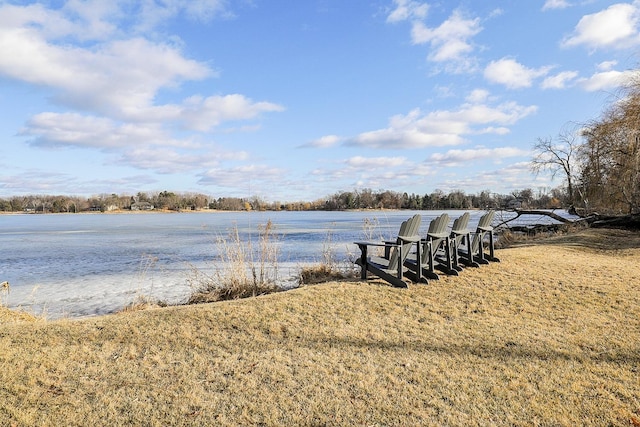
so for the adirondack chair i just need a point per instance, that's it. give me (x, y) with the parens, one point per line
(437, 239)
(391, 268)
(483, 229)
(461, 236)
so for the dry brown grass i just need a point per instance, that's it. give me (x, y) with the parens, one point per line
(330, 268)
(549, 336)
(13, 316)
(323, 273)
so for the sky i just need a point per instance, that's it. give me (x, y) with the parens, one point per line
(298, 100)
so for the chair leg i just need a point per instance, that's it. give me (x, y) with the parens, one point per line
(363, 262)
(457, 265)
(447, 249)
(470, 260)
(400, 264)
(481, 247)
(456, 258)
(492, 249)
(431, 260)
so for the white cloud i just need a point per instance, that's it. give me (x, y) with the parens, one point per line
(120, 78)
(243, 177)
(613, 28)
(478, 96)
(607, 65)
(150, 14)
(92, 19)
(169, 160)
(516, 176)
(117, 76)
(606, 80)
(555, 4)
(204, 10)
(36, 181)
(43, 182)
(496, 130)
(375, 162)
(324, 142)
(145, 146)
(560, 80)
(408, 9)
(72, 129)
(460, 157)
(512, 74)
(442, 127)
(204, 113)
(450, 42)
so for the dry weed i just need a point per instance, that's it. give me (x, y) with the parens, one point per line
(329, 268)
(241, 271)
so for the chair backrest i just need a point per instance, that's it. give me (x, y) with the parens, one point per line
(459, 229)
(408, 228)
(436, 234)
(484, 225)
(460, 224)
(485, 221)
(438, 227)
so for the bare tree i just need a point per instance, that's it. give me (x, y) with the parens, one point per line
(612, 157)
(559, 155)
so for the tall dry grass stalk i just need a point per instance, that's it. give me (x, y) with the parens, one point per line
(9, 316)
(371, 229)
(329, 268)
(142, 301)
(372, 232)
(4, 292)
(241, 271)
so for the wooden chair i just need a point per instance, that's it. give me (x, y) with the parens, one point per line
(391, 268)
(436, 241)
(483, 230)
(461, 236)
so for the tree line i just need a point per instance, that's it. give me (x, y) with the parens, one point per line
(345, 200)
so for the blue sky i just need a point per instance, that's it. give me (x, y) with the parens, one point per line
(296, 100)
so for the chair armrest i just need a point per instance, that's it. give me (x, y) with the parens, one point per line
(410, 239)
(438, 235)
(361, 244)
(460, 232)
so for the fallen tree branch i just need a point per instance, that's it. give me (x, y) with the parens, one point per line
(631, 221)
(550, 214)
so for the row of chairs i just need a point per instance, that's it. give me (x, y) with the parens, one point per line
(443, 249)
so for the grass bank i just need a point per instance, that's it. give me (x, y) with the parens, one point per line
(549, 336)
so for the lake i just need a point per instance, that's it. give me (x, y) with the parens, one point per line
(73, 265)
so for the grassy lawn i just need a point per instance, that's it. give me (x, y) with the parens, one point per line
(549, 336)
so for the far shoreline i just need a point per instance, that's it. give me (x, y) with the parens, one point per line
(198, 211)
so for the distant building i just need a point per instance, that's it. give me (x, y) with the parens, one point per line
(141, 206)
(515, 203)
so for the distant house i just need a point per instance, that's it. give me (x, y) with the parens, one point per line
(142, 206)
(515, 203)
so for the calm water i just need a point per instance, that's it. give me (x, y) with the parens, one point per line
(79, 265)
